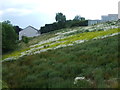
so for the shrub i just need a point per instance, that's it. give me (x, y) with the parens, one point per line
(100, 29)
(86, 30)
(30, 78)
(25, 39)
(55, 82)
(60, 25)
(98, 75)
(83, 84)
(66, 84)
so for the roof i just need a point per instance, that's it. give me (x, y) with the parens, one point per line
(31, 27)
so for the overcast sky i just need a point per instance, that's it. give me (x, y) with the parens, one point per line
(40, 12)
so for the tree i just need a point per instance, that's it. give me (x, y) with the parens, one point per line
(82, 19)
(60, 17)
(17, 29)
(77, 17)
(9, 37)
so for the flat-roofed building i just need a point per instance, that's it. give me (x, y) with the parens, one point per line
(92, 22)
(109, 17)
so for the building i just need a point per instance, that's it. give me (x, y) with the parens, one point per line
(92, 22)
(29, 32)
(109, 17)
(113, 17)
(104, 18)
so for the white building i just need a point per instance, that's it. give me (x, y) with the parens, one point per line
(29, 32)
(92, 22)
(109, 17)
(113, 17)
(104, 18)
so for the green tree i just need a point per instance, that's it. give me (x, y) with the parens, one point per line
(77, 17)
(82, 19)
(9, 37)
(60, 17)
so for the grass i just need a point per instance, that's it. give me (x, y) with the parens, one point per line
(91, 35)
(15, 53)
(96, 60)
(67, 40)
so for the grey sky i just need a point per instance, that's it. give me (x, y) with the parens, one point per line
(40, 12)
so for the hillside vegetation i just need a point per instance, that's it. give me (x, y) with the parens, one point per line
(55, 59)
(63, 38)
(96, 60)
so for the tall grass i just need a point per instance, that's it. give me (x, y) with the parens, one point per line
(96, 60)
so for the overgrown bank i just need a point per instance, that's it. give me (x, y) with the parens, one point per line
(96, 60)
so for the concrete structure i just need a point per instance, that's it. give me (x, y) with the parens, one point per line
(109, 17)
(92, 22)
(104, 18)
(29, 32)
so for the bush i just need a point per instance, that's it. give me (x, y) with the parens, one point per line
(98, 76)
(25, 39)
(83, 84)
(79, 23)
(60, 25)
(86, 30)
(52, 27)
(100, 29)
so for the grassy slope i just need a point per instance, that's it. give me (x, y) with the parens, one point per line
(96, 60)
(67, 40)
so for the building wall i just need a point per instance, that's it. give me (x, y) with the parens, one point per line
(92, 22)
(113, 17)
(29, 32)
(105, 18)
(110, 17)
